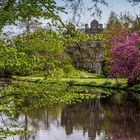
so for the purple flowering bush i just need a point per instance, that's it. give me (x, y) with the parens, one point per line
(126, 59)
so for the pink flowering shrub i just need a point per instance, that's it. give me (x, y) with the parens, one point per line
(126, 59)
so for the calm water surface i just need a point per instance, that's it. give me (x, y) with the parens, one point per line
(116, 117)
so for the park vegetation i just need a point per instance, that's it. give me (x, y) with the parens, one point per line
(38, 70)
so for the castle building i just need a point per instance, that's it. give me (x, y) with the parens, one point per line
(94, 49)
(94, 28)
(91, 51)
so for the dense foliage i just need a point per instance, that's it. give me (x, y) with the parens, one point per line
(126, 58)
(13, 10)
(18, 62)
(122, 47)
(46, 51)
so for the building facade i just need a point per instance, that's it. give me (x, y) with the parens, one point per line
(94, 28)
(90, 56)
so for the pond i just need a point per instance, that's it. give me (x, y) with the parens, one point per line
(116, 117)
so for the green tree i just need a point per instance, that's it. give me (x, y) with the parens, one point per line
(13, 10)
(136, 24)
(112, 19)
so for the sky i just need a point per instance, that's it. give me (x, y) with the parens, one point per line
(114, 5)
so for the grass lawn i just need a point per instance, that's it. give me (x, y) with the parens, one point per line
(84, 78)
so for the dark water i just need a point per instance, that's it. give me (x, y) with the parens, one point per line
(116, 117)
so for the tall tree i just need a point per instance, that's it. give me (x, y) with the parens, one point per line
(112, 19)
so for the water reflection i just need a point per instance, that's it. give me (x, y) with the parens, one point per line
(116, 117)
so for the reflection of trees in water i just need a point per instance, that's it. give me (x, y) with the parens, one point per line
(124, 116)
(86, 115)
(38, 119)
(118, 116)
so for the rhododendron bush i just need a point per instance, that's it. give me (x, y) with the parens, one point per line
(126, 58)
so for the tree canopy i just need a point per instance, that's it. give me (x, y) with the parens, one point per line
(12, 10)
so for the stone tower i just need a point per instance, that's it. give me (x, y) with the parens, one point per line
(94, 28)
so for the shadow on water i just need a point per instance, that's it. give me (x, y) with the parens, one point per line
(116, 117)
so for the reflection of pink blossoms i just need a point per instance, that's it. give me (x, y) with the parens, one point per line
(126, 58)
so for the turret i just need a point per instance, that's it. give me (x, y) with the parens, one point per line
(86, 28)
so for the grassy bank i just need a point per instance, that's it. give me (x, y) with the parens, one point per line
(83, 79)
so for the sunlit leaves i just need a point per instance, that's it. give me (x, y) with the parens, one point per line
(19, 62)
(13, 10)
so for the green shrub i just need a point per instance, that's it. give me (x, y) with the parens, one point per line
(105, 68)
(71, 82)
(106, 83)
